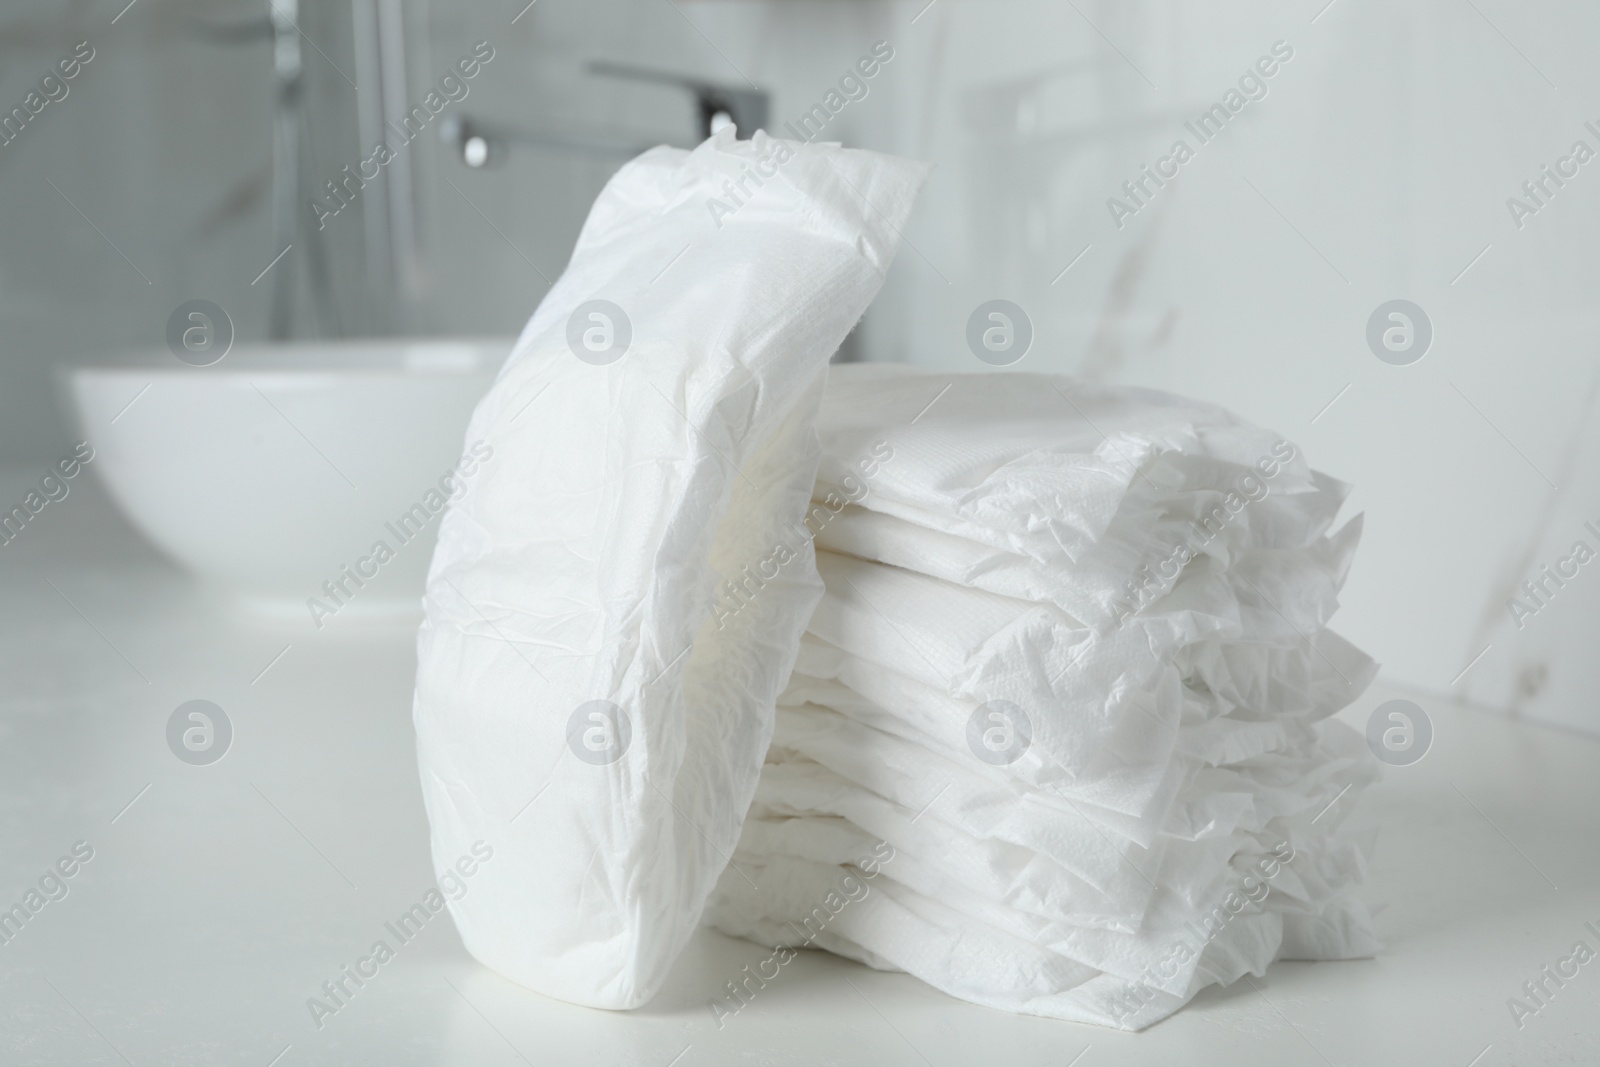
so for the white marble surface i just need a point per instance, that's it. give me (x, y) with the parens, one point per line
(219, 898)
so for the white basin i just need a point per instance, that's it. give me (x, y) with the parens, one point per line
(277, 472)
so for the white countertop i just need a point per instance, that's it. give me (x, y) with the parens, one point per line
(219, 898)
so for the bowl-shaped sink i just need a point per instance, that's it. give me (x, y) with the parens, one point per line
(306, 477)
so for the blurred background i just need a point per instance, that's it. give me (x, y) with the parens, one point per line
(1377, 166)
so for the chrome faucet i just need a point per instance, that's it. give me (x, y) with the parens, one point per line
(288, 183)
(716, 105)
(287, 71)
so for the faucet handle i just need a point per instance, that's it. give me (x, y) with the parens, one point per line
(746, 108)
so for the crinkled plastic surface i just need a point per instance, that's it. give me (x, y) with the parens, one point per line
(581, 704)
(1143, 583)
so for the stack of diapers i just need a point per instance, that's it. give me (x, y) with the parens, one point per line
(581, 713)
(1057, 739)
(1018, 685)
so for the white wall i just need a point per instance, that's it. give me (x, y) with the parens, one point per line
(160, 154)
(1377, 166)
(1381, 160)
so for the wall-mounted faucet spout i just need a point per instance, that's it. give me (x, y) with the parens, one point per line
(481, 145)
(716, 105)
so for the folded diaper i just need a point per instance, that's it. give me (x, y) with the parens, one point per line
(579, 704)
(1068, 686)
(1045, 489)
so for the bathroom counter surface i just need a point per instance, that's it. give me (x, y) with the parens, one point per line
(219, 898)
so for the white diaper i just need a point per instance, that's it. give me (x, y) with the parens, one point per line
(582, 705)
